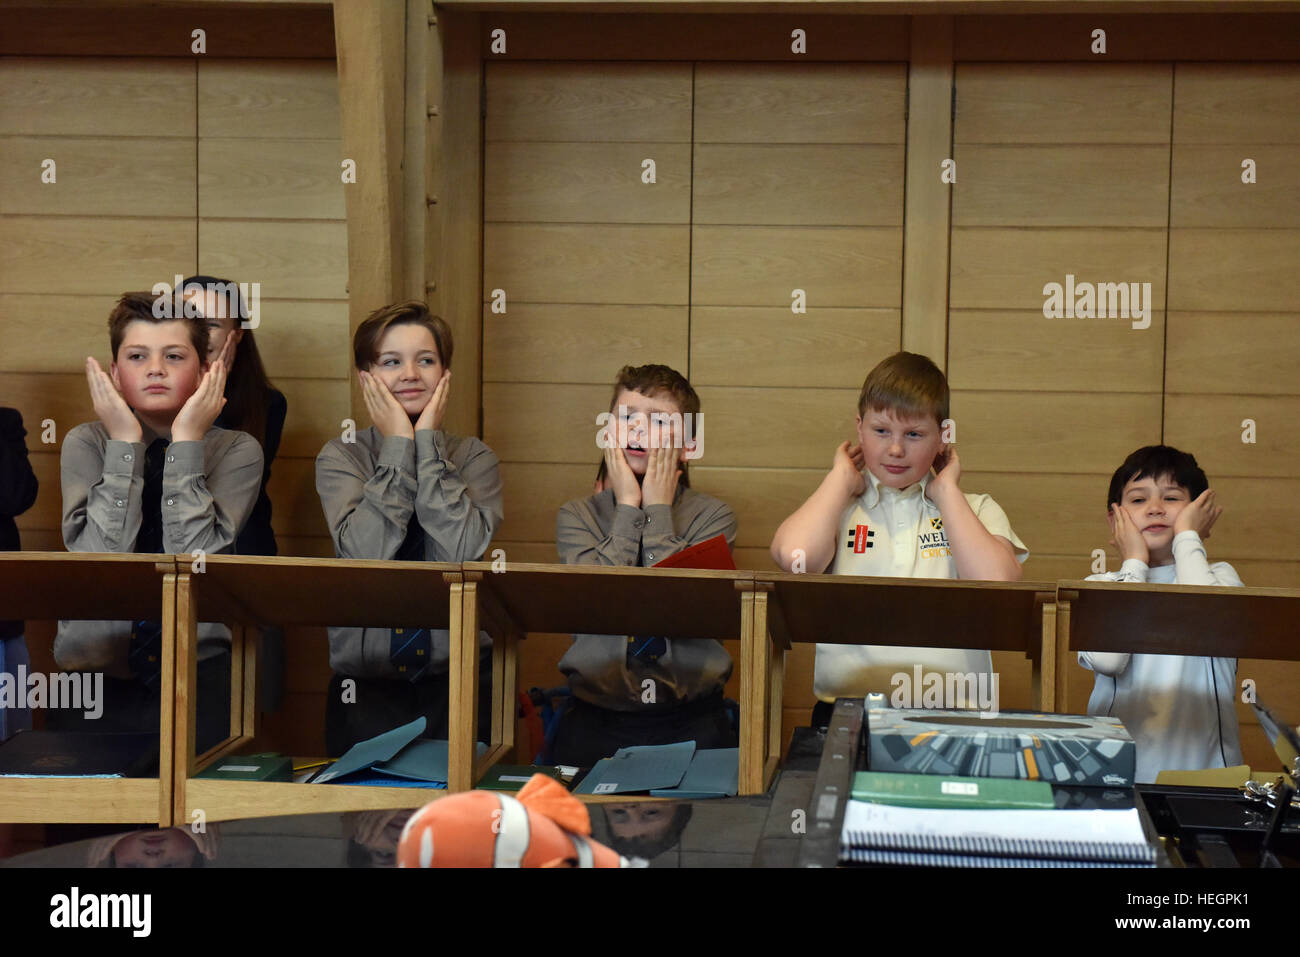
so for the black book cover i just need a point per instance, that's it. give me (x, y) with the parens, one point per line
(132, 754)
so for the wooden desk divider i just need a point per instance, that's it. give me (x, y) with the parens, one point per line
(1173, 620)
(75, 585)
(934, 613)
(247, 592)
(590, 599)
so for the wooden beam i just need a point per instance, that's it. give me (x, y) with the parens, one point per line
(370, 36)
(928, 201)
(454, 230)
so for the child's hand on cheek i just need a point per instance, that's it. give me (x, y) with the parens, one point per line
(385, 411)
(432, 416)
(1127, 537)
(947, 473)
(661, 476)
(620, 477)
(848, 465)
(1199, 516)
(111, 408)
(202, 408)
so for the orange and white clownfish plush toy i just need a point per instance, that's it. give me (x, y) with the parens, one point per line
(545, 826)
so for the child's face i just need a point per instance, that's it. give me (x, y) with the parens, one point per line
(170, 848)
(632, 426)
(409, 364)
(157, 368)
(898, 450)
(1153, 505)
(220, 326)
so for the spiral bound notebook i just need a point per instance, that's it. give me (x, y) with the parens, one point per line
(884, 834)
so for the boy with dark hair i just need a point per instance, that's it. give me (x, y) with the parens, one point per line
(153, 475)
(630, 690)
(1179, 709)
(880, 511)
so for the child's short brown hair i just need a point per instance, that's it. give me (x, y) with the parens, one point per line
(365, 343)
(906, 383)
(652, 380)
(139, 307)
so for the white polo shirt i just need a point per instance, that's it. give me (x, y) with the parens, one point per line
(898, 533)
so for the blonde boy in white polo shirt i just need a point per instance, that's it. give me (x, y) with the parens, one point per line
(897, 520)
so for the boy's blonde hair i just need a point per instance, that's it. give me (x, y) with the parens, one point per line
(906, 383)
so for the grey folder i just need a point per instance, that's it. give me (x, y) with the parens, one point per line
(713, 773)
(639, 769)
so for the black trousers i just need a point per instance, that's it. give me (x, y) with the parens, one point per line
(587, 733)
(131, 705)
(382, 704)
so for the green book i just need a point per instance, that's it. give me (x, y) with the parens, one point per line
(250, 767)
(932, 790)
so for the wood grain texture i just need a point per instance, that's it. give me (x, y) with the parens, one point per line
(1053, 431)
(797, 185)
(77, 96)
(800, 103)
(1233, 269)
(638, 35)
(292, 491)
(542, 342)
(270, 179)
(1007, 268)
(1021, 350)
(799, 427)
(927, 228)
(1060, 103)
(773, 347)
(586, 183)
(92, 255)
(1229, 352)
(317, 408)
(588, 102)
(1031, 185)
(1148, 33)
(268, 99)
(1211, 427)
(1236, 103)
(1208, 191)
(761, 265)
(97, 176)
(544, 422)
(302, 338)
(591, 264)
(291, 260)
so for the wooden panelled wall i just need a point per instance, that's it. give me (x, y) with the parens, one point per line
(229, 167)
(775, 176)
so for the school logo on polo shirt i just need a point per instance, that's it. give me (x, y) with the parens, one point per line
(934, 543)
(860, 539)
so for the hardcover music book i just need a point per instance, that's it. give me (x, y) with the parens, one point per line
(712, 553)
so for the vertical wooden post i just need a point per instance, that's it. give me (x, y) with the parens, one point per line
(369, 36)
(185, 630)
(166, 720)
(453, 236)
(927, 211)
(1044, 692)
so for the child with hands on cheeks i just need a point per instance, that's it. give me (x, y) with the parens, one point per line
(881, 511)
(153, 475)
(403, 490)
(1179, 709)
(639, 690)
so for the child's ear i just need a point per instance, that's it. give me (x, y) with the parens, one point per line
(112, 373)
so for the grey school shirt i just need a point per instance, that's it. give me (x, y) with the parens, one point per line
(598, 531)
(369, 490)
(209, 488)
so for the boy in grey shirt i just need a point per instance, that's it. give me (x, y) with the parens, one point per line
(153, 475)
(630, 690)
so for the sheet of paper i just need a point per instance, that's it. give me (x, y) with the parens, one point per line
(373, 750)
(1094, 826)
(639, 769)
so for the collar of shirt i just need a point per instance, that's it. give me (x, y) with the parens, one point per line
(875, 492)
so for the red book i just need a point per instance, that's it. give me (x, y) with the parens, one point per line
(712, 553)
